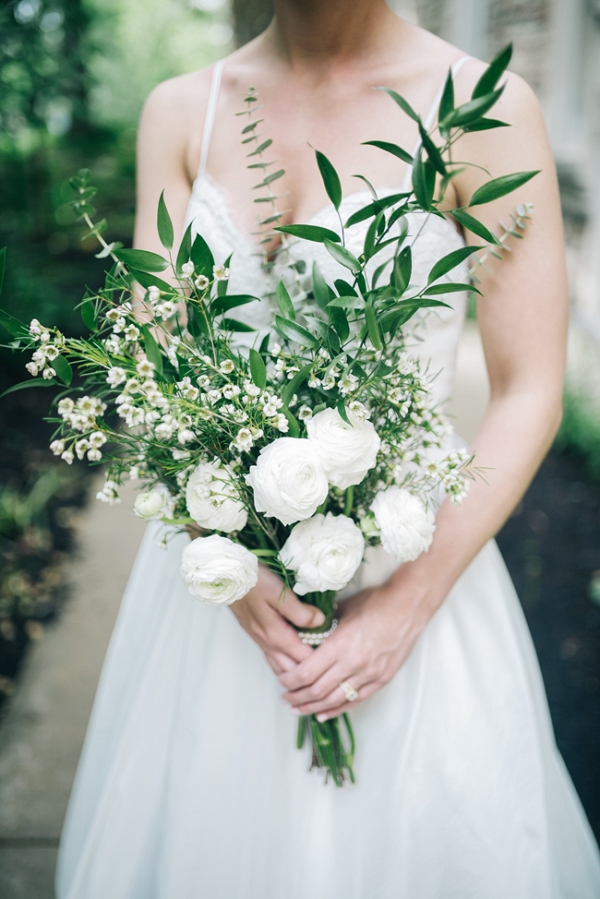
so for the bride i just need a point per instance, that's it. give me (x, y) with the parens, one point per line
(188, 787)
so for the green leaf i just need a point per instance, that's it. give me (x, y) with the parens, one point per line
(423, 179)
(330, 178)
(232, 324)
(62, 369)
(293, 422)
(471, 111)
(231, 301)
(432, 151)
(451, 287)
(35, 382)
(164, 224)
(448, 263)
(373, 327)
(88, 315)
(499, 187)
(474, 225)
(343, 256)
(152, 349)
(374, 208)
(310, 232)
(341, 407)
(493, 73)
(13, 325)
(202, 257)
(292, 386)
(402, 103)
(447, 101)
(268, 179)
(185, 248)
(2, 266)
(346, 302)
(146, 280)
(142, 260)
(258, 369)
(284, 301)
(344, 289)
(340, 322)
(320, 288)
(388, 147)
(293, 331)
(485, 125)
(402, 271)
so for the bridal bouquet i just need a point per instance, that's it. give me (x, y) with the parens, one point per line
(296, 448)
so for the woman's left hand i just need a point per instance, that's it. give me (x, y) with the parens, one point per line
(377, 631)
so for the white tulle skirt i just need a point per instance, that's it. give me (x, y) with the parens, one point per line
(190, 785)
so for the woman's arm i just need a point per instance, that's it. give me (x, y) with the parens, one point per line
(167, 159)
(523, 320)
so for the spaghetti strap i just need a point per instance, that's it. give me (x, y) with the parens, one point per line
(428, 121)
(211, 110)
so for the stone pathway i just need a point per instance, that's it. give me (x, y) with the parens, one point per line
(42, 734)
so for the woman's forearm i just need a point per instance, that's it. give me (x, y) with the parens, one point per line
(514, 437)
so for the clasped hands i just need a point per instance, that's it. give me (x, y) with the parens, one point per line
(377, 630)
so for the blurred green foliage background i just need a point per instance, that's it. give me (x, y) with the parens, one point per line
(73, 78)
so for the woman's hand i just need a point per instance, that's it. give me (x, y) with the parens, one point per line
(265, 613)
(377, 631)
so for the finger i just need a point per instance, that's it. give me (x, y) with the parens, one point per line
(280, 662)
(322, 687)
(330, 705)
(274, 634)
(299, 613)
(313, 667)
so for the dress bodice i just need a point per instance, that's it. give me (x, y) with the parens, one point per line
(433, 335)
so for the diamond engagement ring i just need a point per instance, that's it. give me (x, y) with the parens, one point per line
(349, 692)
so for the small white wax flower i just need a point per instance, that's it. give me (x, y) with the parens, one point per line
(203, 382)
(131, 332)
(220, 273)
(227, 366)
(81, 448)
(116, 376)
(32, 368)
(48, 373)
(187, 269)
(201, 282)
(65, 406)
(94, 455)
(217, 570)
(288, 480)
(244, 440)
(97, 439)
(166, 309)
(67, 456)
(57, 447)
(347, 451)
(153, 504)
(212, 499)
(35, 329)
(304, 413)
(281, 423)
(51, 353)
(325, 552)
(230, 390)
(185, 435)
(145, 368)
(406, 525)
(153, 293)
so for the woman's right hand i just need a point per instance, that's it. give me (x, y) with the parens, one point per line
(265, 614)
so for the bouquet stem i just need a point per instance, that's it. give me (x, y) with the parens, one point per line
(332, 750)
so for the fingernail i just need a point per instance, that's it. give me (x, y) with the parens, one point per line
(318, 619)
(296, 712)
(321, 718)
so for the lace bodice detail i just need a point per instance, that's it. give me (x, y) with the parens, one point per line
(433, 335)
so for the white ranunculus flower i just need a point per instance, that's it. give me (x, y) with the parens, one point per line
(215, 569)
(325, 552)
(406, 525)
(288, 480)
(153, 504)
(212, 499)
(347, 451)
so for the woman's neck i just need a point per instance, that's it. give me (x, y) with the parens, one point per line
(324, 33)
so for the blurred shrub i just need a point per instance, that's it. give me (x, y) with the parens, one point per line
(580, 429)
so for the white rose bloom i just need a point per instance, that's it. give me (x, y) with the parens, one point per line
(217, 570)
(288, 480)
(347, 452)
(212, 499)
(325, 552)
(406, 525)
(153, 504)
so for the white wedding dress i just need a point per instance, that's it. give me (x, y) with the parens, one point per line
(190, 785)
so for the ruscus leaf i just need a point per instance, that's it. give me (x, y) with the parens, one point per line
(388, 147)
(63, 369)
(310, 232)
(284, 301)
(142, 260)
(499, 187)
(164, 224)
(293, 331)
(258, 370)
(343, 256)
(402, 103)
(493, 73)
(472, 224)
(449, 262)
(330, 178)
